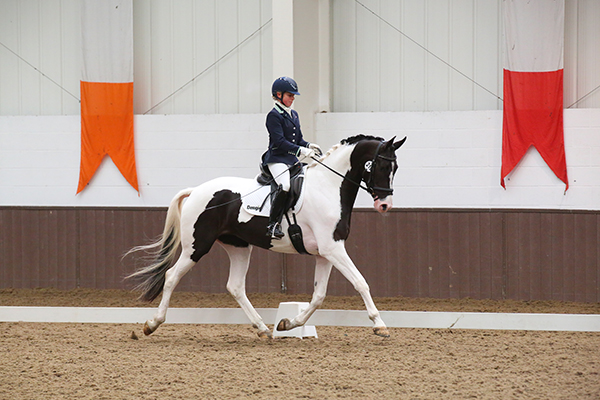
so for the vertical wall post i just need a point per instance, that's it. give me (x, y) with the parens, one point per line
(301, 50)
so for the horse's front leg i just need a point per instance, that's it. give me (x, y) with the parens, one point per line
(239, 258)
(339, 257)
(172, 278)
(322, 272)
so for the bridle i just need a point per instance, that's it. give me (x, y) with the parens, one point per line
(369, 166)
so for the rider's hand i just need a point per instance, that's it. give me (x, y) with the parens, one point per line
(316, 148)
(305, 152)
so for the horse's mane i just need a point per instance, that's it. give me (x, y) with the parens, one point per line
(360, 137)
(348, 141)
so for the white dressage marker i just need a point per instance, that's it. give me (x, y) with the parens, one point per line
(289, 310)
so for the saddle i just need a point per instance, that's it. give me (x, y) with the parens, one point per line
(256, 202)
(265, 178)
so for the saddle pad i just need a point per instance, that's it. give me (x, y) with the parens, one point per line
(255, 196)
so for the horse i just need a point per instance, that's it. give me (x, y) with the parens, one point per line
(213, 212)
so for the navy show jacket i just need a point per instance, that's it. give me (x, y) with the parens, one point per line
(285, 137)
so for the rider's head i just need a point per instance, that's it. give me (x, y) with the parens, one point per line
(284, 89)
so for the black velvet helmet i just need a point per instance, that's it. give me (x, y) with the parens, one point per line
(284, 84)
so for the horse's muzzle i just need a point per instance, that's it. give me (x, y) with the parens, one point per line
(382, 206)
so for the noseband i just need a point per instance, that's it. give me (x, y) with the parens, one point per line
(369, 166)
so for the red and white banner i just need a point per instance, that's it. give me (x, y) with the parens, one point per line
(533, 84)
(107, 88)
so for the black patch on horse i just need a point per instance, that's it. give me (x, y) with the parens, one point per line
(219, 221)
(349, 189)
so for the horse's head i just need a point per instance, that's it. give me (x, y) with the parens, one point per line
(379, 167)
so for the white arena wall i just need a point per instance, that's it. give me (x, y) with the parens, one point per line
(451, 159)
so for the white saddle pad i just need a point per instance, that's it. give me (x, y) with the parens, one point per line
(258, 196)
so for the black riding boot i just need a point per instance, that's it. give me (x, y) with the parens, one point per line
(277, 210)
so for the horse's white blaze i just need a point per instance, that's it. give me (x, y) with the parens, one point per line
(386, 204)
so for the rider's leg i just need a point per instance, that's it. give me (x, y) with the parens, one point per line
(281, 175)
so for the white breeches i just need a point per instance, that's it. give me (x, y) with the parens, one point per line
(281, 174)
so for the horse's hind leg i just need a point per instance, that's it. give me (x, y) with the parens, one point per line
(172, 278)
(236, 285)
(322, 272)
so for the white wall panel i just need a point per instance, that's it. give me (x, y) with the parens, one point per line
(182, 62)
(250, 87)
(29, 49)
(186, 38)
(401, 51)
(41, 71)
(344, 56)
(413, 59)
(374, 67)
(488, 74)
(206, 51)
(438, 42)
(462, 53)
(368, 76)
(9, 64)
(582, 58)
(378, 67)
(174, 41)
(389, 99)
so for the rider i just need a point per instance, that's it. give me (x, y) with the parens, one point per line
(286, 144)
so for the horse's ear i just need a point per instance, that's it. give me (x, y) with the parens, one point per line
(399, 143)
(389, 144)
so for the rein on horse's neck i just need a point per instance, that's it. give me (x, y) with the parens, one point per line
(344, 177)
(358, 179)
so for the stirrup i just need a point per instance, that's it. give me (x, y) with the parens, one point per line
(274, 231)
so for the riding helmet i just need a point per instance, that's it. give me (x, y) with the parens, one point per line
(284, 84)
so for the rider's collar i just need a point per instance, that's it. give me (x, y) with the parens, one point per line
(281, 108)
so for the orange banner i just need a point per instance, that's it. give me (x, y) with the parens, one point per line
(107, 128)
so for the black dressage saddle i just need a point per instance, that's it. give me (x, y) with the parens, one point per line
(296, 180)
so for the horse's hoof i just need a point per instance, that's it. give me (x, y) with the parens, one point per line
(147, 330)
(265, 334)
(284, 325)
(381, 331)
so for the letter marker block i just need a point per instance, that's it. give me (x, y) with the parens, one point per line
(289, 310)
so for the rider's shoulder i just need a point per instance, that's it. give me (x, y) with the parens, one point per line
(274, 114)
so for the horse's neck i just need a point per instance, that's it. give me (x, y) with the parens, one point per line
(338, 158)
(347, 190)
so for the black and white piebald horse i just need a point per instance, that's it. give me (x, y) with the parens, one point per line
(214, 212)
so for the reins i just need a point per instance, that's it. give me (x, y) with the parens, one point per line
(371, 164)
(360, 185)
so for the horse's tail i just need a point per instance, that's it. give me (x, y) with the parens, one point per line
(151, 279)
